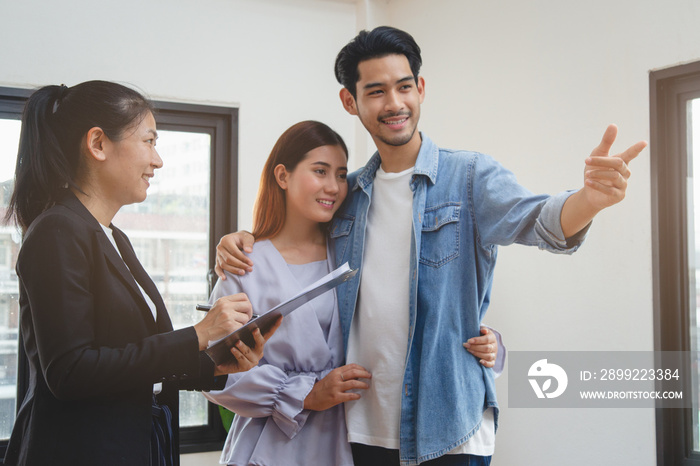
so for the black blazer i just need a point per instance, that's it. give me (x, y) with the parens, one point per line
(93, 347)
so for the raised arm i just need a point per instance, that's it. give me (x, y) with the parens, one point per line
(605, 183)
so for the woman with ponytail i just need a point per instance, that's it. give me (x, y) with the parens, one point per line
(105, 364)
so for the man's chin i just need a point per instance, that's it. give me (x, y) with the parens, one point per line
(398, 140)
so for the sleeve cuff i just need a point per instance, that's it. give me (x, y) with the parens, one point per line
(548, 227)
(500, 362)
(289, 413)
(203, 378)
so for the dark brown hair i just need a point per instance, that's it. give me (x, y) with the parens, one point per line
(290, 149)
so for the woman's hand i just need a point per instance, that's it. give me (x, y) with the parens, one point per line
(333, 388)
(485, 348)
(246, 357)
(228, 314)
(230, 254)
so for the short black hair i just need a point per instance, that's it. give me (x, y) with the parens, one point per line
(377, 43)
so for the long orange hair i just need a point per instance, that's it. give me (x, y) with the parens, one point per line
(292, 146)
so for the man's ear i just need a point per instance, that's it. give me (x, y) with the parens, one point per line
(95, 141)
(348, 101)
(421, 88)
(281, 175)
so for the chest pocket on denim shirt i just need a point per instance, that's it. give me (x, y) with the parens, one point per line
(440, 234)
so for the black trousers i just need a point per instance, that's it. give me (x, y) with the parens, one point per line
(368, 455)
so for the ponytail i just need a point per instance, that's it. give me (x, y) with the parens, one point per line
(42, 167)
(54, 122)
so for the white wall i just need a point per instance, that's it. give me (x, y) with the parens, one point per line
(271, 58)
(532, 83)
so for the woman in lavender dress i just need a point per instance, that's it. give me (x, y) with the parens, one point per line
(289, 408)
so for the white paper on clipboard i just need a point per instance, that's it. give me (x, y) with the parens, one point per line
(220, 350)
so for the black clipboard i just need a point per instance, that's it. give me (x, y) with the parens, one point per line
(220, 351)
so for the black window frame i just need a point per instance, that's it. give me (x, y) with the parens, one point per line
(670, 90)
(221, 123)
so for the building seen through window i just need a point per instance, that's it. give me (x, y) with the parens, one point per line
(9, 289)
(170, 234)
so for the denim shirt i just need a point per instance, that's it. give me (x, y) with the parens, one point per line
(465, 204)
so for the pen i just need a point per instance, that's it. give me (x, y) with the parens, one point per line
(207, 307)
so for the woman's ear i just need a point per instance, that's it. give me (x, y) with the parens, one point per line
(281, 175)
(95, 142)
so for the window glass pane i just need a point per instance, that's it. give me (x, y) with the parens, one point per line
(694, 260)
(9, 307)
(170, 233)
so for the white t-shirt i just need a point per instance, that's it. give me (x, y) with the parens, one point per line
(378, 337)
(379, 331)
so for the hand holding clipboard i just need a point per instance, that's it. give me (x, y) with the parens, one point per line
(220, 351)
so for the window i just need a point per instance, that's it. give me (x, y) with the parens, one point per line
(675, 173)
(13, 374)
(191, 203)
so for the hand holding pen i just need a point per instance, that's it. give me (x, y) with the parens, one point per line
(207, 308)
(228, 314)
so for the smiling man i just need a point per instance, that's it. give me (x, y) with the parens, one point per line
(423, 225)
